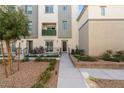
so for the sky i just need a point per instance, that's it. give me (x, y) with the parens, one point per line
(80, 7)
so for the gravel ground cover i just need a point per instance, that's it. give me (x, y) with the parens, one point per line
(25, 78)
(106, 83)
(52, 83)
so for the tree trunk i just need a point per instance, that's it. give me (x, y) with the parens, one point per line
(9, 55)
(19, 56)
(3, 60)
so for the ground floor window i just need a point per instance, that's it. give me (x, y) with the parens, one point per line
(13, 46)
(49, 46)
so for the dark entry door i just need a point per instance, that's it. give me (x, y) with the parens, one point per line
(64, 45)
(30, 46)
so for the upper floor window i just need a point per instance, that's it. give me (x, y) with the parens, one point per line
(65, 7)
(49, 9)
(30, 26)
(28, 9)
(65, 25)
(103, 10)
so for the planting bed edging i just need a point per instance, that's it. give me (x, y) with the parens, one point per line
(99, 64)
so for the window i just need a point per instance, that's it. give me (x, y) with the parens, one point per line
(49, 9)
(28, 9)
(65, 25)
(49, 46)
(103, 8)
(30, 26)
(13, 46)
(49, 29)
(65, 7)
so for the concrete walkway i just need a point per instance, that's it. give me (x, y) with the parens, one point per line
(69, 77)
(114, 74)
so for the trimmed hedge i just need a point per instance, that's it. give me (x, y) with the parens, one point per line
(40, 59)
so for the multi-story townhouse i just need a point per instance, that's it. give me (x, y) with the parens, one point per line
(52, 27)
(101, 28)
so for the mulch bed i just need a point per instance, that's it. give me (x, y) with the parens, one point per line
(25, 78)
(105, 83)
(98, 64)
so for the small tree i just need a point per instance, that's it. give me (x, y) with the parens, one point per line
(3, 59)
(14, 25)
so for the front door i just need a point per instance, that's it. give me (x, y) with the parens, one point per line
(30, 46)
(64, 46)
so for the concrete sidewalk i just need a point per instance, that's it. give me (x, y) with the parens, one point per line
(69, 77)
(114, 74)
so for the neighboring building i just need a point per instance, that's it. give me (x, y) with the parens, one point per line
(101, 28)
(52, 27)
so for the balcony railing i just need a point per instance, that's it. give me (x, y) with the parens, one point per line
(50, 32)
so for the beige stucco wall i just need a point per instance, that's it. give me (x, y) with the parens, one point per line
(84, 38)
(105, 35)
(111, 12)
(53, 18)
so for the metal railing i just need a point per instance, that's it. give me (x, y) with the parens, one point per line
(50, 32)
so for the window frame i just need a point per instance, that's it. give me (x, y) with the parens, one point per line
(65, 27)
(30, 24)
(103, 10)
(49, 9)
(65, 8)
(49, 46)
(27, 10)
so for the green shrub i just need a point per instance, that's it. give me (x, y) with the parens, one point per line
(33, 55)
(52, 63)
(0, 61)
(38, 59)
(106, 57)
(77, 56)
(110, 52)
(41, 59)
(72, 51)
(80, 51)
(88, 58)
(38, 85)
(51, 66)
(122, 58)
(115, 59)
(26, 59)
(52, 56)
(45, 76)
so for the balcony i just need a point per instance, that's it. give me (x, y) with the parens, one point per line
(49, 32)
(49, 29)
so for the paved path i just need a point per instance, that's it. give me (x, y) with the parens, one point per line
(104, 73)
(69, 77)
